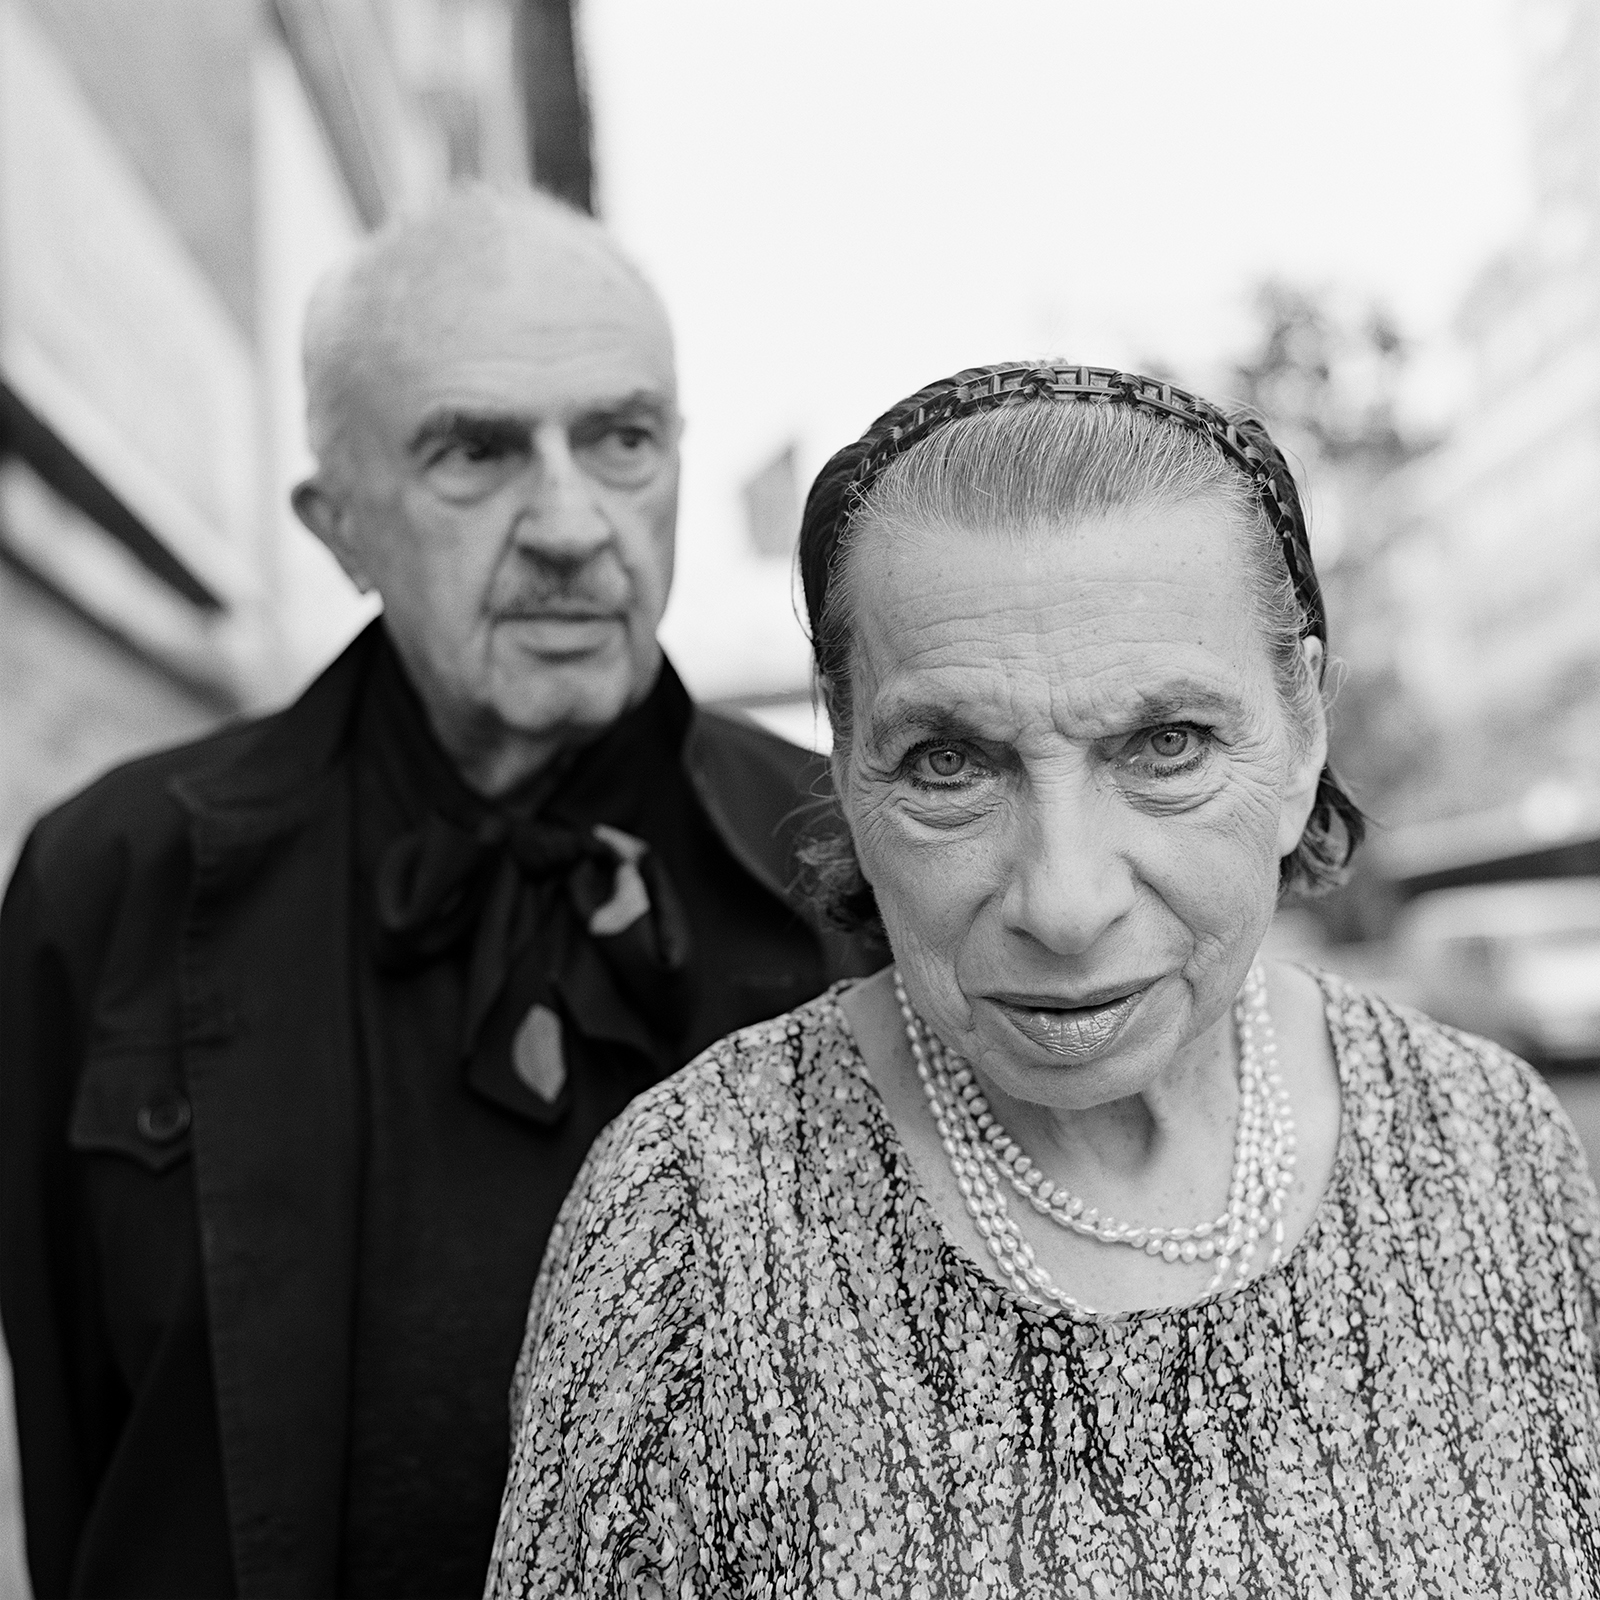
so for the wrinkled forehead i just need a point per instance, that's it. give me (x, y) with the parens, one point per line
(1076, 622)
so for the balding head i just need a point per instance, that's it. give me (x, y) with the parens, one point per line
(425, 273)
(493, 408)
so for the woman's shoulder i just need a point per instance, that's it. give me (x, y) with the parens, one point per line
(682, 1181)
(1469, 1093)
(753, 1084)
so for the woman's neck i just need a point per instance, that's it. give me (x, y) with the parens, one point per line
(1163, 1158)
(1122, 1140)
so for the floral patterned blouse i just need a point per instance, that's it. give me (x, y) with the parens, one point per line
(757, 1365)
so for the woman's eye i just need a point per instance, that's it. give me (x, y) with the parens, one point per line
(1171, 744)
(941, 764)
(1170, 749)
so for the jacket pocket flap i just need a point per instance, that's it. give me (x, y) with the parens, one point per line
(130, 1103)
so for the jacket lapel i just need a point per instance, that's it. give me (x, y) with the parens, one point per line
(269, 1056)
(270, 1060)
(725, 759)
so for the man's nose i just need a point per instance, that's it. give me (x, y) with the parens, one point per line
(559, 517)
(1071, 880)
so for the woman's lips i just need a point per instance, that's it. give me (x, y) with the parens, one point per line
(1076, 1034)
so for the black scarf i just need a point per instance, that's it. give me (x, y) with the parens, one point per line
(573, 936)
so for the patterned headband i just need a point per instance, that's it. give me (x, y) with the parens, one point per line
(841, 484)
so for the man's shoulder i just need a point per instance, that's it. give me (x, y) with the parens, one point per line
(119, 847)
(134, 802)
(773, 802)
(736, 743)
(140, 805)
(764, 794)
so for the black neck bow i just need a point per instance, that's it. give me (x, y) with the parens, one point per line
(572, 931)
(534, 899)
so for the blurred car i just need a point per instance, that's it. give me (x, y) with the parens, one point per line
(1516, 962)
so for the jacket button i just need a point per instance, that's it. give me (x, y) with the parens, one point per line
(162, 1121)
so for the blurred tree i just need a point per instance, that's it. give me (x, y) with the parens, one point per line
(1332, 372)
(1326, 372)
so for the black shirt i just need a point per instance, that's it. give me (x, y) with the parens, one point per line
(459, 1193)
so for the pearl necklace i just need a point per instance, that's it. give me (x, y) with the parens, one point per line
(986, 1159)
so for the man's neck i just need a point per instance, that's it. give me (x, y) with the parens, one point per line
(492, 758)
(496, 771)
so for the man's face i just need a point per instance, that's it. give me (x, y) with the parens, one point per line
(509, 486)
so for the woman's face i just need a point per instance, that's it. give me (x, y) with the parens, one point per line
(1070, 782)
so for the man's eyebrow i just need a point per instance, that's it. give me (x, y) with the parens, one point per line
(512, 429)
(648, 401)
(505, 429)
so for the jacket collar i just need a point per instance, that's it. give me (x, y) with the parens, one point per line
(272, 777)
(268, 1060)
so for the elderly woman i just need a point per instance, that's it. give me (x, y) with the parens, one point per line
(1080, 1252)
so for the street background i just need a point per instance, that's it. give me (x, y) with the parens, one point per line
(1379, 223)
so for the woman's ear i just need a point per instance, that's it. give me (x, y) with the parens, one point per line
(1300, 790)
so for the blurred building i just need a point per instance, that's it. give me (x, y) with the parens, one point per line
(1499, 565)
(174, 176)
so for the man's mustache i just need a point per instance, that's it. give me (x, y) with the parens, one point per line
(565, 599)
(535, 587)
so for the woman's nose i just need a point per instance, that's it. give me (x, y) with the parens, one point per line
(1071, 880)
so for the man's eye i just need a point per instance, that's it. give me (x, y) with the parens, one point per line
(462, 455)
(456, 457)
(625, 456)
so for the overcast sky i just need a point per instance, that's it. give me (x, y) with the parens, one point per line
(844, 199)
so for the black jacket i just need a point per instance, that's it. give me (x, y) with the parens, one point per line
(179, 1116)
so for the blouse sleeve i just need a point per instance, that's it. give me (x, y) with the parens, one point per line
(1542, 1174)
(1570, 1191)
(608, 1457)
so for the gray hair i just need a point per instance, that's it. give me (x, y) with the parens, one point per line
(360, 308)
(1038, 466)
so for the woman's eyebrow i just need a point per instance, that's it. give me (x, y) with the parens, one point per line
(929, 720)
(1171, 702)
(1181, 698)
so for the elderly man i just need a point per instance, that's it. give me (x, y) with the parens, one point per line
(308, 1027)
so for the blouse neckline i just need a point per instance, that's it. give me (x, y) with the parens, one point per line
(963, 1265)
